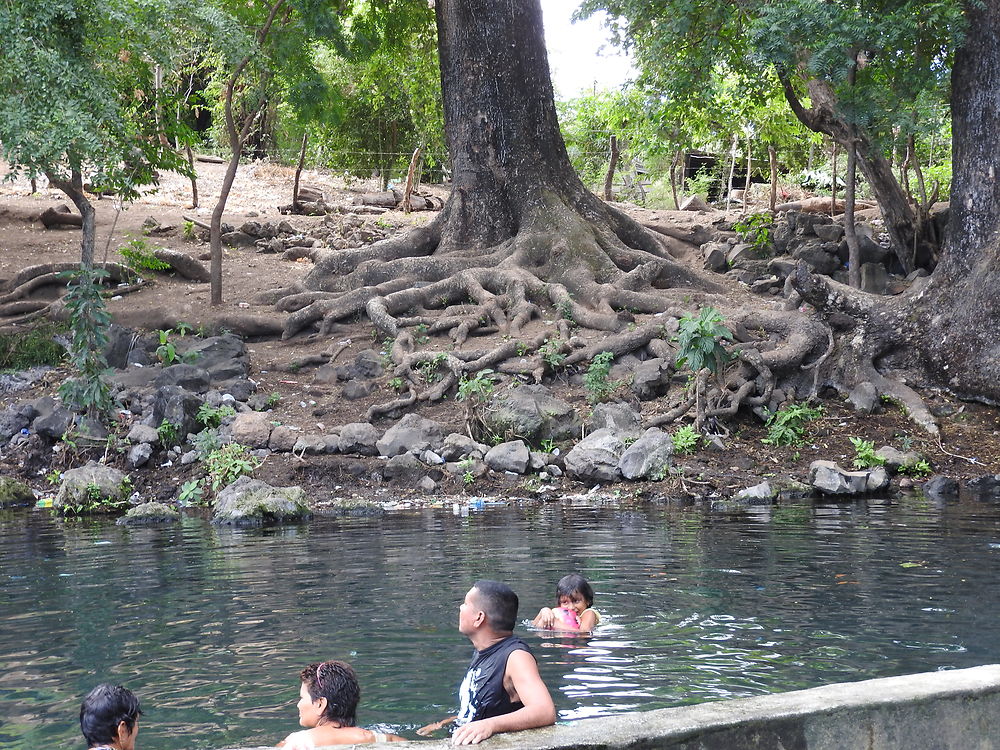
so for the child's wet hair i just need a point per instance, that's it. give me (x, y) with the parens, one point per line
(575, 583)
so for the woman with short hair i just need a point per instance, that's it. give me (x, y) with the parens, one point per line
(328, 702)
(109, 718)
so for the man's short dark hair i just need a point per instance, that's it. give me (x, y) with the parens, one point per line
(104, 708)
(337, 682)
(499, 602)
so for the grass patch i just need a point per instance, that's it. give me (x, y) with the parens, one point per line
(31, 347)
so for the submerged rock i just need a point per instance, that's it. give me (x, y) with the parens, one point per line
(148, 514)
(15, 494)
(940, 486)
(252, 502)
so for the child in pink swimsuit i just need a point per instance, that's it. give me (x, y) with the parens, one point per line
(574, 607)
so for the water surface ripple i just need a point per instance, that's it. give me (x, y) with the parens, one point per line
(210, 626)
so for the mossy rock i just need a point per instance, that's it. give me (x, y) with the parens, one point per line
(148, 514)
(251, 502)
(93, 488)
(15, 494)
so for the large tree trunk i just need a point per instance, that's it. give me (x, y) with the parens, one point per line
(943, 331)
(962, 301)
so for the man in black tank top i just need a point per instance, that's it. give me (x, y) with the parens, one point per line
(502, 690)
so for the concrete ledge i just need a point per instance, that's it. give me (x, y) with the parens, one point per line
(955, 709)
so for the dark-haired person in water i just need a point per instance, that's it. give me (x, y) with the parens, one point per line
(109, 718)
(502, 690)
(328, 702)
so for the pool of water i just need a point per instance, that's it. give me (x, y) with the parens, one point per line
(211, 626)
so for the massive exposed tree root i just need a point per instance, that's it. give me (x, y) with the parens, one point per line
(16, 308)
(597, 270)
(878, 341)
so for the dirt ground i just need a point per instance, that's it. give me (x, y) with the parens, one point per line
(970, 433)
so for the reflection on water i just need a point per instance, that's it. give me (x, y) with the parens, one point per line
(211, 626)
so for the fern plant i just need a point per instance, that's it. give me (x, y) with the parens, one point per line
(787, 425)
(865, 456)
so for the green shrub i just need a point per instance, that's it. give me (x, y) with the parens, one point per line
(206, 441)
(685, 440)
(212, 416)
(192, 493)
(864, 454)
(702, 183)
(89, 324)
(139, 256)
(230, 462)
(699, 341)
(477, 388)
(917, 470)
(787, 425)
(595, 380)
(755, 230)
(167, 432)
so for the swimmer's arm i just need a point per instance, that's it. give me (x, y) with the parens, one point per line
(545, 618)
(588, 620)
(538, 710)
(433, 727)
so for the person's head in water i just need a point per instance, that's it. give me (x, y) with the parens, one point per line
(329, 694)
(573, 592)
(109, 715)
(499, 602)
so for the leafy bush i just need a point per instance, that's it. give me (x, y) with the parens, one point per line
(787, 425)
(192, 493)
(917, 470)
(864, 454)
(94, 501)
(212, 416)
(699, 341)
(139, 257)
(685, 440)
(595, 380)
(206, 441)
(230, 462)
(755, 230)
(702, 183)
(476, 388)
(552, 355)
(167, 432)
